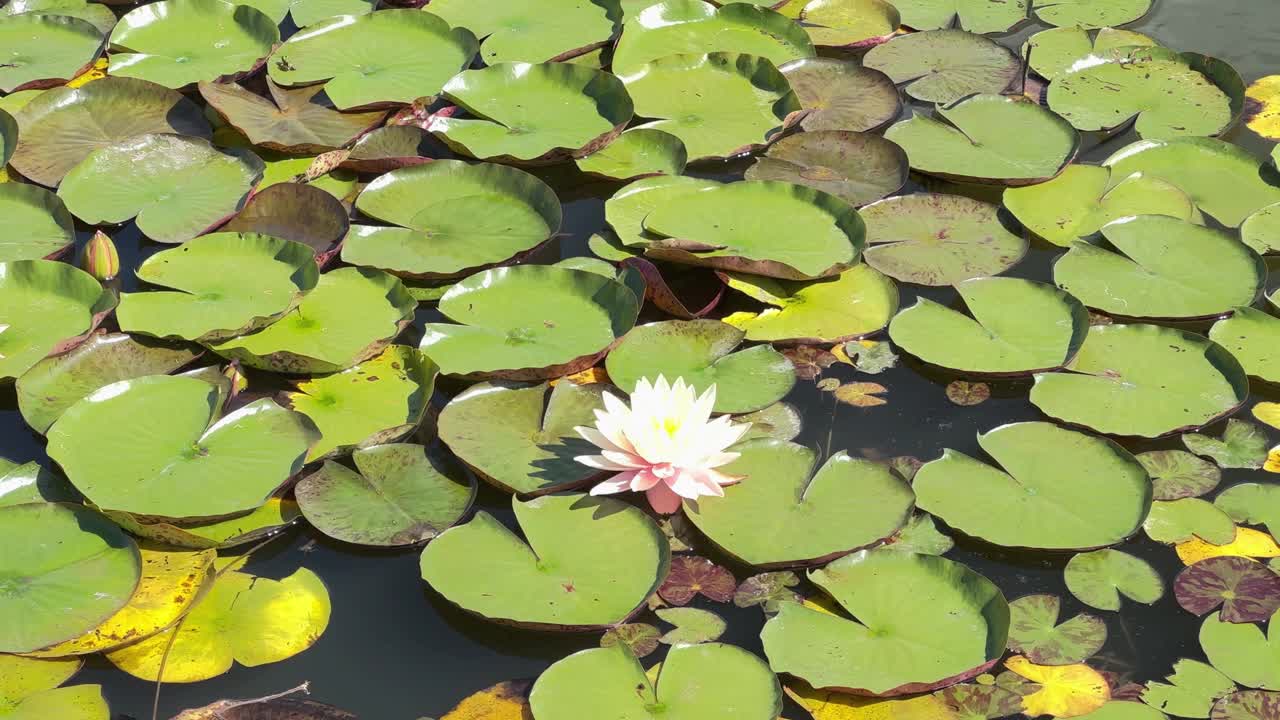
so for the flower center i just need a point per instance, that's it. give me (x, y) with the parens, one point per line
(670, 425)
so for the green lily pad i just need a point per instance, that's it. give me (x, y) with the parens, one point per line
(54, 552)
(1090, 13)
(695, 682)
(401, 495)
(739, 226)
(939, 621)
(37, 224)
(50, 308)
(387, 56)
(692, 626)
(1176, 521)
(719, 104)
(176, 187)
(584, 564)
(979, 16)
(293, 120)
(857, 167)
(1162, 267)
(310, 12)
(1224, 180)
(8, 136)
(284, 169)
(943, 66)
(1261, 230)
(1143, 380)
(1242, 652)
(779, 421)
(177, 442)
(1098, 579)
(1252, 337)
(1017, 327)
(1191, 692)
(842, 95)
(627, 209)
(533, 113)
(989, 138)
(1083, 199)
(521, 439)
(292, 211)
(1252, 503)
(30, 690)
(42, 51)
(1243, 445)
(271, 518)
(391, 147)
(517, 32)
(1094, 493)
(848, 24)
(1247, 705)
(1178, 474)
(636, 153)
(702, 352)
(350, 316)
(1247, 590)
(931, 239)
(1156, 85)
(783, 513)
(1051, 53)
(62, 126)
(1035, 632)
(451, 219)
(920, 535)
(56, 383)
(95, 13)
(222, 285)
(856, 303)
(693, 27)
(31, 483)
(529, 322)
(378, 401)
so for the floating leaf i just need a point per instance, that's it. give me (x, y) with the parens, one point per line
(640, 638)
(861, 394)
(292, 211)
(1248, 543)
(1247, 705)
(637, 153)
(1247, 590)
(692, 626)
(1098, 579)
(1192, 689)
(1179, 474)
(31, 483)
(920, 535)
(296, 120)
(37, 224)
(691, 576)
(1090, 13)
(176, 43)
(274, 706)
(768, 590)
(516, 32)
(1251, 336)
(1065, 690)
(870, 356)
(842, 95)
(856, 303)
(1252, 503)
(1263, 115)
(52, 49)
(1175, 521)
(964, 392)
(273, 517)
(1243, 445)
(50, 307)
(979, 702)
(1242, 652)
(29, 691)
(979, 16)
(1261, 230)
(1035, 632)
(944, 66)
(1053, 52)
(858, 167)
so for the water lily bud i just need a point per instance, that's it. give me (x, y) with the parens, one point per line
(238, 381)
(100, 257)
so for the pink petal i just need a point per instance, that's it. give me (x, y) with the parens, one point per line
(600, 462)
(644, 480)
(685, 484)
(662, 500)
(625, 459)
(720, 478)
(616, 484)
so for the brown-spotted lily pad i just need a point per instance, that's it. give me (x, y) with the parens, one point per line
(842, 95)
(1179, 474)
(297, 212)
(1247, 590)
(1035, 632)
(692, 576)
(768, 590)
(857, 167)
(640, 638)
(1247, 705)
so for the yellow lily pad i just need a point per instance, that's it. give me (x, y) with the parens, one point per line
(1248, 543)
(1065, 690)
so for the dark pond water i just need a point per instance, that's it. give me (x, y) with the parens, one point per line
(394, 650)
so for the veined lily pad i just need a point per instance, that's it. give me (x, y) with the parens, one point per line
(273, 517)
(64, 125)
(856, 303)
(585, 563)
(842, 95)
(943, 66)
(387, 56)
(673, 27)
(293, 211)
(529, 322)
(1242, 652)
(293, 120)
(223, 285)
(719, 104)
(44, 50)
(1252, 503)
(392, 147)
(637, 153)
(1017, 327)
(1243, 445)
(177, 443)
(50, 552)
(1097, 579)
(177, 187)
(1252, 336)
(350, 316)
(56, 383)
(857, 167)
(695, 682)
(1094, 494)
(378, 401)
(626, 210)
(310, 12)
(979, 16)
(1156, 85)
(1179, 474)
(1175, 521)
(1165, 268)
(741, 227)
(518, 32)
(1192, 689)
(1034, 631)
(95, 13)
(921, 622)
(49, 307)
(519, 438)
(453, 218)
(176, 43)
(540, 113)
(1084, 198)
(1247, 590)
(1052, 53)
(402, 494)
(1247, 705)
(932, 239)
(784, 513)
(702, 352)
(989, 138)
(844, 23)
(1143, 380)
(37, 224)
(1090, 13)
(30, 690)
(1261, 230)
(1224, 180)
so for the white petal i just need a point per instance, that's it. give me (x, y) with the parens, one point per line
(616, 484)
(600, 462)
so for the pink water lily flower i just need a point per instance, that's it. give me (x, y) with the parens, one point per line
(665, 445)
